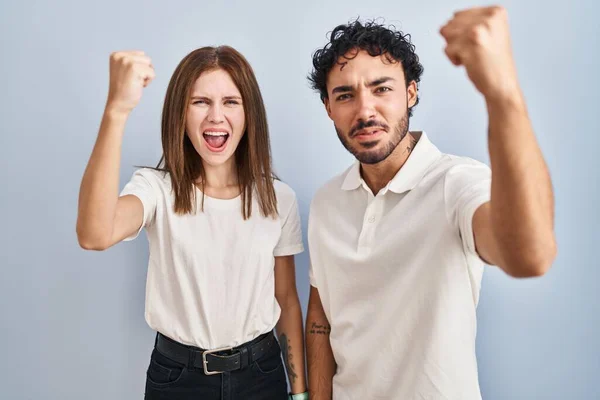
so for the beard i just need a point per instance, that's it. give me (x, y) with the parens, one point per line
(365, 152)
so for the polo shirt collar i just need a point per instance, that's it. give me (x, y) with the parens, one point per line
(422, 157)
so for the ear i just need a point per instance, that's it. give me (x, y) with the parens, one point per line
(412, 93)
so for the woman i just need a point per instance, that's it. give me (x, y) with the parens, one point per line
(222, 231)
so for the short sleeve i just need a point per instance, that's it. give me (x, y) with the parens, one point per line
(313, 221)
(290, 241)
(466, 187)
(141, 187)
(311, 276)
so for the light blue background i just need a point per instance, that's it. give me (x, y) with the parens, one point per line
(72, 321)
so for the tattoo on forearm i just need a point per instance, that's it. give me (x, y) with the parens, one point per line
(320, 329)
(286, 350)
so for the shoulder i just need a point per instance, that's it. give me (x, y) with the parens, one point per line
(286, 196)
(154, 176)
(449, 165)
(283, 191)
(462, 178)
(331, 190)
(158, 179)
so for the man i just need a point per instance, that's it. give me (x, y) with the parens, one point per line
(399, 240)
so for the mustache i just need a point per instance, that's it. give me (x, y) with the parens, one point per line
(369, 124)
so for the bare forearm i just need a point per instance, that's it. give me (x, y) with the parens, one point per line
(291, 339)
(321, 364)
(522, 201)
(99, 190)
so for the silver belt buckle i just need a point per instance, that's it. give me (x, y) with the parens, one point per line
(205, 362)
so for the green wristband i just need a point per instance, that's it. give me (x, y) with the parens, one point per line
(299, 396)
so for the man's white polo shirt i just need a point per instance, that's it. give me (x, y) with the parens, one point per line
(399, 277)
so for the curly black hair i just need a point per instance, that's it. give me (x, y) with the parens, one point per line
(372, 37)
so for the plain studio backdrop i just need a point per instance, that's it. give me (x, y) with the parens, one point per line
(73, 321)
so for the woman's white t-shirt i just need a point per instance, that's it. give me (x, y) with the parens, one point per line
(210, 278)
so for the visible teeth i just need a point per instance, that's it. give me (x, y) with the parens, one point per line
(211, 133)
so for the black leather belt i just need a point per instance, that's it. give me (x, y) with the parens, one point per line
(215, 361)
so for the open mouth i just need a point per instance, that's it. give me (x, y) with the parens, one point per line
(216, 141)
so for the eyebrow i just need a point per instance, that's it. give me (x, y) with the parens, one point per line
(376, 82)
(224, 98)
(381, 80)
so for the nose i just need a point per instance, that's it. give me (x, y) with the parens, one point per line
(365, 106)
(215, 113)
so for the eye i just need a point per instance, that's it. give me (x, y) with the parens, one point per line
(200, 101)
(343, 97)
(383, 89)
(232, 102)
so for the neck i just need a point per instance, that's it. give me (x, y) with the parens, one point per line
(220, 177)
(376, 176)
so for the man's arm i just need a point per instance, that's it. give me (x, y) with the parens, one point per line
(321, 364)
(515, 230)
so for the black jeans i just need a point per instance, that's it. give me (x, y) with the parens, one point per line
(262, 380)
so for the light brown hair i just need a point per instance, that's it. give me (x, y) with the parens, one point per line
(253, 154)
